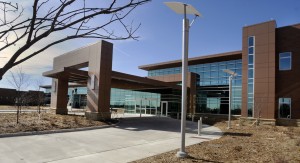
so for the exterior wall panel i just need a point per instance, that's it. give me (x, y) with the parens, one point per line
(264, 72)
(288, 82)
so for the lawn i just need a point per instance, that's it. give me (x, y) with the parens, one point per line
(242, 144)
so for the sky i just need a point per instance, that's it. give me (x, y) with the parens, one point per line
(218, 31)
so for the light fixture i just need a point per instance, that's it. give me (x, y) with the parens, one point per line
(184, 9)
(231, 75)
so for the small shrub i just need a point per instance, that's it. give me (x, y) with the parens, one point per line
(298, 142)
(64, 120)
(238, 148)
(281, 160)
(76, 120)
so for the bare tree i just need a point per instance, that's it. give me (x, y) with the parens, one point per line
(72, 17)
(259, 102)
(20, 81)
(40, 96)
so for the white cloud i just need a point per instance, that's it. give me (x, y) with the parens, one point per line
(43, 61)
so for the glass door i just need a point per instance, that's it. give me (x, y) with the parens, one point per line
(164, 108)
(285, 108)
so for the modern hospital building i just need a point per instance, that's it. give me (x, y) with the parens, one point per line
(267, 84)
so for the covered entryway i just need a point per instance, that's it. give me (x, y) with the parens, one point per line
(99, 79)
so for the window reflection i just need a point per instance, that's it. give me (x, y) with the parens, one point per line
(212, 75)
(285, 61)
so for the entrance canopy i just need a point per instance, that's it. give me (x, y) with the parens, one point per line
(118, 79)
(99, 79)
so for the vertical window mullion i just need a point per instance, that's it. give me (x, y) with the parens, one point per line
(251, 75)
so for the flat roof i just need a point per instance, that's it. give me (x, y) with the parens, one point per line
(196, 60)
(118, 80)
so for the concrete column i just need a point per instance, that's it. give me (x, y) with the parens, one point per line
(192, 81)
(61, 95)
(99, 83)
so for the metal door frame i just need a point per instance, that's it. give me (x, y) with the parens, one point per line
(161, 108)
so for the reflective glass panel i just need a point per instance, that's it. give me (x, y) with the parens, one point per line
(285, 61)
(251, 41)
(250, 59)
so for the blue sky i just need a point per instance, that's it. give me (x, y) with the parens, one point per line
(219, 30)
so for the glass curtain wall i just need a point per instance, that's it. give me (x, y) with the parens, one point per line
(134, 101)
(212, 86)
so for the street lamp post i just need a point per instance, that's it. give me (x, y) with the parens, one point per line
(184, 9)
(231, 75)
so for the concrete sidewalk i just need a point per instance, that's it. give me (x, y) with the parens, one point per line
(132, 139)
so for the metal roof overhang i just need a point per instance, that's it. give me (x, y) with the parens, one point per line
(73, 75)
(193, 61)
(118, 79)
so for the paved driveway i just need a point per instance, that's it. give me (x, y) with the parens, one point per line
(132, 139)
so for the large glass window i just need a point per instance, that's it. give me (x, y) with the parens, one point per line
(284, 107)
(212, 86)
(285, 61)
(251, 63)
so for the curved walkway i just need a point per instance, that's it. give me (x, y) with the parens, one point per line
(131, 139)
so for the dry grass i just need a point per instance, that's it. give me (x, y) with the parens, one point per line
(9, 107)
(242, 144)
(48, 121)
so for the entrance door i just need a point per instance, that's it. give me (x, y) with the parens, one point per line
(284, 108)
(164, 108)
(145, 106)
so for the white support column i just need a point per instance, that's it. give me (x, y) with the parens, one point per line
(185, 38)
(230, 96)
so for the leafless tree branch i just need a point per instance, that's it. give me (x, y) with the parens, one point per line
(20, 81)
(64, 16)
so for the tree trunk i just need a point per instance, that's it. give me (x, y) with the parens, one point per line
(18, 114)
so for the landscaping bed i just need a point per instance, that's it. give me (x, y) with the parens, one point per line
(48, 121)
(11, 107)
(242, 144)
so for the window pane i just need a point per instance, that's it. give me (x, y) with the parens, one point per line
(251, 50)
(251, 41)
(250, 73)
(250, 80)
(250, 88)
(286, 54)
(250, 59)
(285, 61)
(214, 74)
(285, 64)
(213, 67)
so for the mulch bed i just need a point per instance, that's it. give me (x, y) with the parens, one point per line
(48, 121)
(242, 144)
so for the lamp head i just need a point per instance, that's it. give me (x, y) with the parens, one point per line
(178, 7)
(230, 72)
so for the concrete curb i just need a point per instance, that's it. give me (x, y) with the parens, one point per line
(31, 133)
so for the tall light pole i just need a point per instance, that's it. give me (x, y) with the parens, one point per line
(231, 75)
(181, 8)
